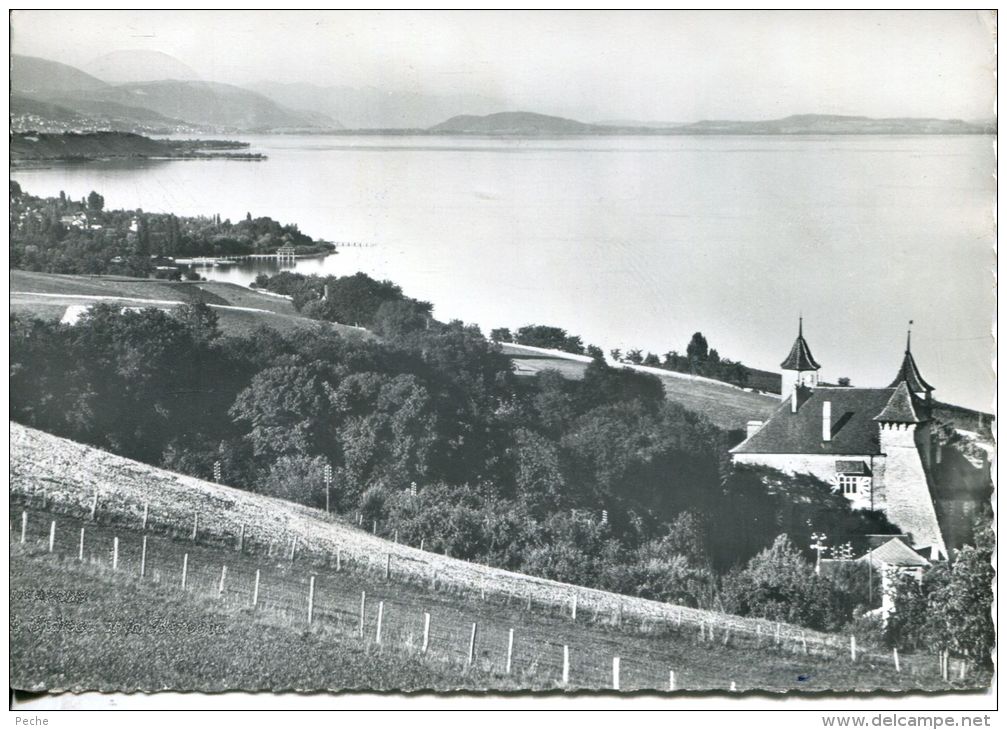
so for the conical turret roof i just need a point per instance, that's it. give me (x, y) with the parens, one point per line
(800, 357)
(910, 374)
(899, 408)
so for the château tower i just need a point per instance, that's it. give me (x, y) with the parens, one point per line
(800, 367)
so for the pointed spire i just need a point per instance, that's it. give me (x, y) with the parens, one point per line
(800, 357)
(909, 373)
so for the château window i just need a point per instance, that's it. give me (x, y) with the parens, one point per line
(848, 483)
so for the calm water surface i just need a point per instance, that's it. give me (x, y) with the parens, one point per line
(637, 241)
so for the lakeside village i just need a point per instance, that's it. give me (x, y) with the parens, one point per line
(906, 478)
(62, 235)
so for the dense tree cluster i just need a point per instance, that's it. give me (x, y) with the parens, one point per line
(540, 335)
(950, 609)
(66, 236)
(509, 471)
(357, 300)
(699, 359)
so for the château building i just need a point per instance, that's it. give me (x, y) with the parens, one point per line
(875, 446)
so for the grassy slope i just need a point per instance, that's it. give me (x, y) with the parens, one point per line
(725, 405)
(651, 638)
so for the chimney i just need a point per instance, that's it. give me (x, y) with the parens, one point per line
(751, 427)
(827, 421)
(793, 399)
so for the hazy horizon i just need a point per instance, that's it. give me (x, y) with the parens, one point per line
(643, 65)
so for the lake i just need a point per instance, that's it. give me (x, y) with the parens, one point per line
(637, 241)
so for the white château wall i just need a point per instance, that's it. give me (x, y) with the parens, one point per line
(909, 501)
(823, 466)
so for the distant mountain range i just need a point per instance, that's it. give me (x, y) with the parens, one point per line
(515, 123)
(153, 106)
(371, 108)
(153, 93)
(139, 66)
(530, 124)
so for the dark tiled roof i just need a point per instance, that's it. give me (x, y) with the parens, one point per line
(910, 375)
(854, 430)
(800, 357)
(895, 552)
(899, 408)
(856, 466)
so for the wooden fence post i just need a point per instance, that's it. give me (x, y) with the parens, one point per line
(255, 591)
(671, 680)
(269, 550)
(94, 505)
(421, 543)
(185, 568)
(52, 535)
(293, 548)
(146, 512)
(777, 633)
(727, 635)
(853, 648)
(374, 529)
(615, 673)
(510, 649)
(566, 665)
(115, 553)
(143, 554)
(472, 645)
(426, 632)
(339, 560)
(381, 614)
(195, 525)
(573, 608)
(363, 602)
(24, 525)
(396, 539)
(80, 547)
(223, 577)
(895, 656)
(311, 599)
(241, 539)
(388, 566)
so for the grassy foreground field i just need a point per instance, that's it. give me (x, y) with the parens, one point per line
(272, 646)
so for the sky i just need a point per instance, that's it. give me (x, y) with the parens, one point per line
(590, 65)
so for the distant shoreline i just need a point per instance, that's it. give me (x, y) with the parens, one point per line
(616, 133)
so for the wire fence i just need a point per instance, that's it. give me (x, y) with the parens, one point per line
(283, 571)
